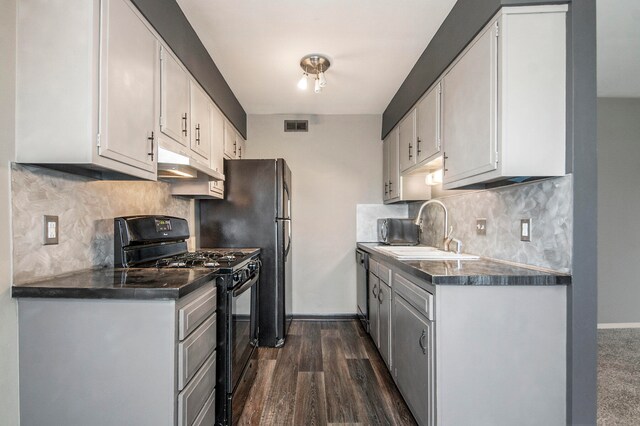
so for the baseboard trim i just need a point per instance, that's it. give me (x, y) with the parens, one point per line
(618, 325)
(327, 317)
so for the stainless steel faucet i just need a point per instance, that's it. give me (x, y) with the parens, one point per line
(418, 220)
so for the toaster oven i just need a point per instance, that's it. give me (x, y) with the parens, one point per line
(401, 232)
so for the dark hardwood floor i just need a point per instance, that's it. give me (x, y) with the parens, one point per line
(327, 373)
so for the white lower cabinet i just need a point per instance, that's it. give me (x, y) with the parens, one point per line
(116, 362)
(466, 354)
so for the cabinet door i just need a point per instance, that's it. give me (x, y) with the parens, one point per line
(385, 166)
(374, 308)
(200, 121)
(217, 148)
(128, 88)
(384, 327)
(242, 146)
(428, 125)
(407, 141)
(394, 170)
(174, 98)
(413, 359)
(230, 144)
(469, 104)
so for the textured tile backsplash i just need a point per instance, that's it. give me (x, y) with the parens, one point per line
(549, 203)
(86, 209)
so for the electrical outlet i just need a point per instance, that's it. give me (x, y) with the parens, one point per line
(51, 230)
(481, 226)
(525, 230)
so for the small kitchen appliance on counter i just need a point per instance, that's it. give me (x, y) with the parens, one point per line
(401, 232)
(160, 242)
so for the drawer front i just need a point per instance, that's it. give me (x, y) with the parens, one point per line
(207, 416)
(195, 349)
(373, 267)
(417, 297)
(195, 312)
(195, 395)
(384, 273)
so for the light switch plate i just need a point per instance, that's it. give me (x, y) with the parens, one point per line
(481, 226)
(51, 230)
(525, 229)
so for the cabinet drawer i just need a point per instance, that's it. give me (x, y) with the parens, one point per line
(195, 312)
(195, 395)
(384, 273)
(373, 267)
(417, 297)
(207, 415)
(195, 349)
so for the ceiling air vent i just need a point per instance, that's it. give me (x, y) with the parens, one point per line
(296, 125)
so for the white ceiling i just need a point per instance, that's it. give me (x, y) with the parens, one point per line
(372, 46)
(618, 26)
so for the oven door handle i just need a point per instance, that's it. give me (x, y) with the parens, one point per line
(244, 287)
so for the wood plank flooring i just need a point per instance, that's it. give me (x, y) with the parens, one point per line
(328, 373)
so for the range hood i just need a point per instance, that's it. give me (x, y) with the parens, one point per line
(172, 165)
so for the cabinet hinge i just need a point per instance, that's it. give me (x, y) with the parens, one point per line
(439, 88)
(497, 30)
(161, 54)
(98, 140)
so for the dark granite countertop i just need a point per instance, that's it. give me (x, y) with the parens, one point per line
(481, 271)
(119, 283)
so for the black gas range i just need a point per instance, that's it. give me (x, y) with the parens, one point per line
(161, 242)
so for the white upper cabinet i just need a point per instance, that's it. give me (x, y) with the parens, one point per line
(128, 88)
(470, 109)
(201, 109)
(88, 93)
(504, 100)
(175, 104)
(407, 141)
(428, 116)
(217, 151)
(230, 143)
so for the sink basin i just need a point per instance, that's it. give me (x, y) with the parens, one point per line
(422, 253)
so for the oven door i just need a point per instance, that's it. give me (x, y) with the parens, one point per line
(243, 327)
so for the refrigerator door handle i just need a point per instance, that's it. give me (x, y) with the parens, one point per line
(286, 251)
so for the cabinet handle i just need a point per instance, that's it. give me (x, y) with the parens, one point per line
(198, 134)
(235, 143)
(418, 145)
(240, 152)
(410, 147)
(444, 163)
(423, 336)
(385, 188)
(151, 138)
(184, 124)
(390, 190)
(375, 293)
(380, 298)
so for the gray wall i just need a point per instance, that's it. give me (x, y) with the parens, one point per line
(335, 166)
(618, 210)
(9, 407)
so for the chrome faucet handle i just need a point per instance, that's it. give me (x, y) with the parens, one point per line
(448, 239)
(458, 243)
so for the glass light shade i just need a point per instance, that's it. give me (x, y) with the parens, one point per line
(302, 83)
(317, 88)
(322, 79)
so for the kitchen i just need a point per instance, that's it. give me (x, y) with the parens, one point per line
(346, 150)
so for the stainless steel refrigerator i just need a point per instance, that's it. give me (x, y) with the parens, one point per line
(256, 212)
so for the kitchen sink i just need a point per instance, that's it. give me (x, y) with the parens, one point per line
(422, 253)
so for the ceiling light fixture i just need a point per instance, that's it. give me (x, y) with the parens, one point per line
(315, 65)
